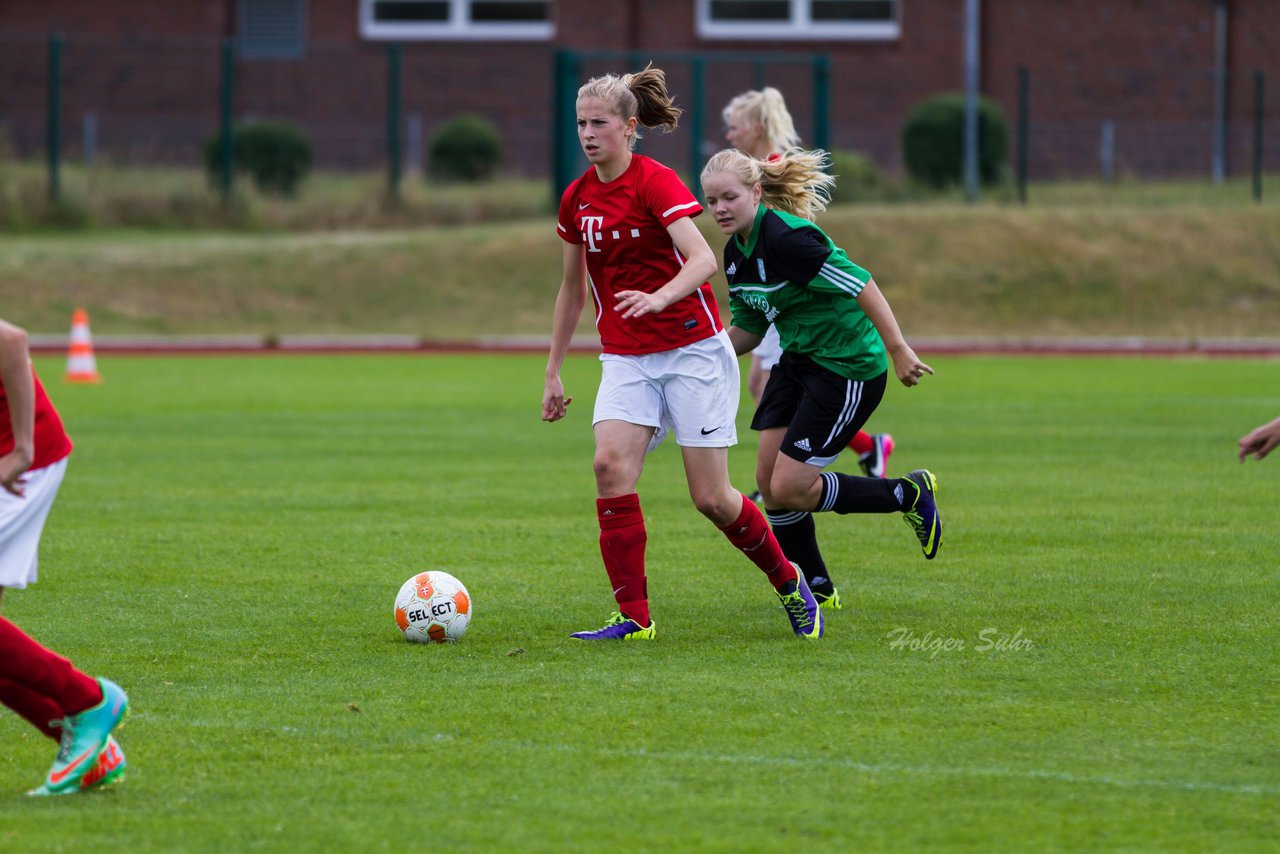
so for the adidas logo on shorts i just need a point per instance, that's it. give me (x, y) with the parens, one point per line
(803, 445)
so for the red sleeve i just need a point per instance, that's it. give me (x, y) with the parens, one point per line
(667, 198)
(564, 222)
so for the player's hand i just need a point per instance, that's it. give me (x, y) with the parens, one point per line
(908, 367)
(12, 466)
(1260, 441)
(554, 402)
(635, 303)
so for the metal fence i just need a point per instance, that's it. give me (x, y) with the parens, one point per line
(156, 100)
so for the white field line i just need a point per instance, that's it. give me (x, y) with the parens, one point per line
(887, 769)
(897, 769)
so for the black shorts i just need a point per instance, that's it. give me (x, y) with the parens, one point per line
(820, 409)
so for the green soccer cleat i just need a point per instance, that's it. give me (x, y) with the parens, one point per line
(84, 735)
(830, 601)
(923, 514)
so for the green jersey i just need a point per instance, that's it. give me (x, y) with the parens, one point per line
(790, 274)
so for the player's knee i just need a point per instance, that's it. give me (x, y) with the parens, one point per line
(720, 507)
(792, 494)
(612, 473)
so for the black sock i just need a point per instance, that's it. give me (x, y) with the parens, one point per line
(799, 540)
(845, 493)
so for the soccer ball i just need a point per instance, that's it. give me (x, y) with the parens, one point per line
(433, 607)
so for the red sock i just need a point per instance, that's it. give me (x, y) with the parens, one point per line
(750, 532)
(44, 672)
(862, 442)
(36, 708)
(622, 542)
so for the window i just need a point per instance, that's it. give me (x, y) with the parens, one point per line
(800, 19)
(456, 19)
(272, 29)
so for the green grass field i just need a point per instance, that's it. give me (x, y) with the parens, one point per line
(948, 270)
(232, 533)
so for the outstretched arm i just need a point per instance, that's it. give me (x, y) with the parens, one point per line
(19, 389)
(906, 364)
(569, 302)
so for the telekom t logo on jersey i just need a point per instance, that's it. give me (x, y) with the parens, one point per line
(592, 230)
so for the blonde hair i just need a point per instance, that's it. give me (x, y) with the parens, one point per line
(766, 108)
(795, 183)
(641, 95)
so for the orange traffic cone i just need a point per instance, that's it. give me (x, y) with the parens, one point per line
(81, 366)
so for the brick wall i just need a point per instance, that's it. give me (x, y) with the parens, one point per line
(1145, 66)
(148, 70)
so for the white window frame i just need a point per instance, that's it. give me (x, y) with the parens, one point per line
(458, 27)
(800, 26)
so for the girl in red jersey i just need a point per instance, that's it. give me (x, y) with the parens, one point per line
(65, 704)
(668, 365)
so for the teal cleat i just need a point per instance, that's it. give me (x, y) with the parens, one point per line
(84, 735)
(108, 770)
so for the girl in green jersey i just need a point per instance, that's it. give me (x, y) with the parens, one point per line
(836, 330)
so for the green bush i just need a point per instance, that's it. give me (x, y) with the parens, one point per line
(933, 141)
(466, 148)
(857, 178)
(276, 155)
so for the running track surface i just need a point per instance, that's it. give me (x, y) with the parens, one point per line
(302, 344)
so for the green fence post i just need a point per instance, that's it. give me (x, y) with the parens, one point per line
(698, 69)
(226, 103)
(393, 120)
(1257, 136)
(564, 115)
(1023, 104)
(821, 103)
(758, 65)
(53, 106)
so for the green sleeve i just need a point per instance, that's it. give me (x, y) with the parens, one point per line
(747, 318)
(840, 275)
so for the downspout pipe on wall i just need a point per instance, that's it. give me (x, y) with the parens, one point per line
(972, 70)
(1221, 24)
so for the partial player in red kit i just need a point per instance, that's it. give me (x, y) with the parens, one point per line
(72, 708)
(668, 366)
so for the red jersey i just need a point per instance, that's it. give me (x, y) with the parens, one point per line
(51, 441)
(624, 226)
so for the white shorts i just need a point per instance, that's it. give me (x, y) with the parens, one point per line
(22, 522)
(692, 390)
(769, 350)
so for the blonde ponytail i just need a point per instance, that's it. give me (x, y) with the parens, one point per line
(796, 183)
(641, 95)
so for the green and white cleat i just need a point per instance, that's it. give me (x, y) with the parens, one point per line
(84, 736)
